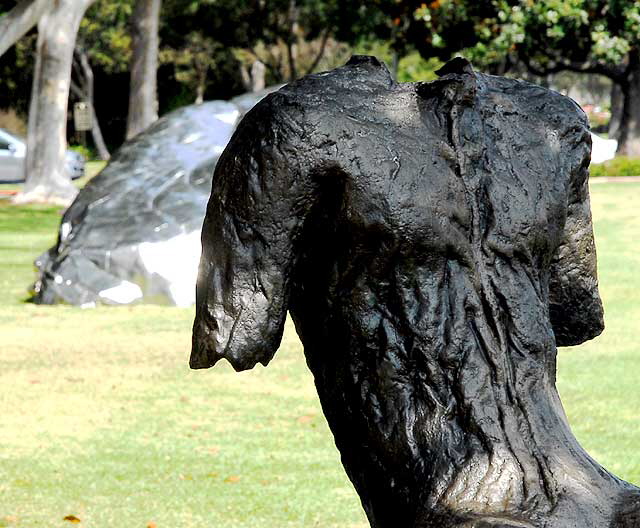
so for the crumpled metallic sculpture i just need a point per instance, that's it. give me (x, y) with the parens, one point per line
(433, 244)
(133, 232)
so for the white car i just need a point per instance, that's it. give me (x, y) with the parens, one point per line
(12, 153)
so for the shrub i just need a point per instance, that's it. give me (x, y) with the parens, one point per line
(618, 166)
(89, 154)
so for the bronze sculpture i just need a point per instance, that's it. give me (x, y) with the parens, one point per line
(433, 244)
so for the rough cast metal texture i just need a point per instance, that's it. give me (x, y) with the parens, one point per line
(433, 244)
(133, 232)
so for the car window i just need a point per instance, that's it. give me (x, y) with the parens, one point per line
(4, 144)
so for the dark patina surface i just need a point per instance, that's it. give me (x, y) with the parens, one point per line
(433, 244)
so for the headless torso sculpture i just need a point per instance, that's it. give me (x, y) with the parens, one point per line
(433, 244)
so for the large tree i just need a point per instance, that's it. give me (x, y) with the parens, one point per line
(46, 176)
(143, 98)
(289, 37)
(104, 43)
(547, 36)
(16, 22)
(83, 87)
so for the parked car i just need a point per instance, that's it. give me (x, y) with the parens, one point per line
(12, 154)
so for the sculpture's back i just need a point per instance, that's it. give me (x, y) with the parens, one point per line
(433, 243)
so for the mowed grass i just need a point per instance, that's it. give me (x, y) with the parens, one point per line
(599, 381)
(103, 420)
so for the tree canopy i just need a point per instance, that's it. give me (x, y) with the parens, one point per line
(590, 36)
(215, 48)
(545, 36)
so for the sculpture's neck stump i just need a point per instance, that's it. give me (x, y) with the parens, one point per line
(458, 84)
(373, 69)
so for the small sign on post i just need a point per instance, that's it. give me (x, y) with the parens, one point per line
(82, 118)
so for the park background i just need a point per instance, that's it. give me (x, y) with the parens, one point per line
(103, 423)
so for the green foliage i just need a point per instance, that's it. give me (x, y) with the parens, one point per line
(618, 166)
(413, 67)
(16, 66)
(541, 37)
(548, 35)
(88, 153)
(378, 48)
(193, 61)
(104, 34)
(290, 38)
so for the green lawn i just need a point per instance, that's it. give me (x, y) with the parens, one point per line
(103, 420)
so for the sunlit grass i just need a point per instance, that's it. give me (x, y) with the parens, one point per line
(598, 381)
(103, 420)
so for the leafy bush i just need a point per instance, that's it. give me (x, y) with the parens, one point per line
(89, 154)
(618, 166)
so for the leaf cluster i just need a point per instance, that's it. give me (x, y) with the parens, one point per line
(592, 36)
(104, 34)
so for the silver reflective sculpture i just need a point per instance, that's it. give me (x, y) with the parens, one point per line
(133, 232)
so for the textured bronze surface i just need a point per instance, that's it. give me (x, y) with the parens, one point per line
(433, 244)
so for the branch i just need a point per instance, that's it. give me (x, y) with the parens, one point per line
(559, 64)
(77, 69)
(275, 66)
(15, 23)
(78, 92)
(536, 69)
(293, 20)
(274, 69)
(318, 58)
(291, 60)
(633, 64)
(87, 73)
(277, 60)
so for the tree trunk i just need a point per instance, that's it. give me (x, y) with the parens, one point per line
(321, 50)
(629, 132)
(19, 20)
(292, 52)
(143, 99)
(245, 76)
(617, 104)
(395, 63)
(258, 72)
(291, 60)
(200, 90)
(87, 82)
(47, 179)
(253, 79)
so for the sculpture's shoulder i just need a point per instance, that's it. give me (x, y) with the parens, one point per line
(304, 111)
(553, 110)
(326, 92)
(541, 118)
(362, 74)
